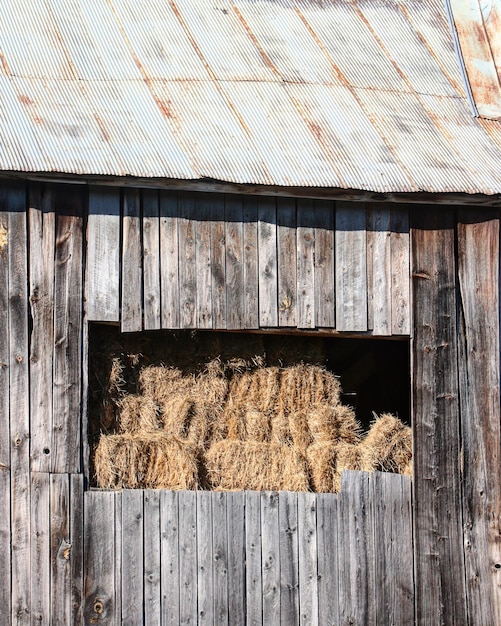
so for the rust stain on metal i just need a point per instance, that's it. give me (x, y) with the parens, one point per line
(102, 127)
(4, 63)
(255, 41)
(25, 100)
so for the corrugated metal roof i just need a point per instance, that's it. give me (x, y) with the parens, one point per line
(354, 94)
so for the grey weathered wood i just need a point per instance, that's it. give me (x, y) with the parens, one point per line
(356, 577)
(205, 578)
(438, 537)
(253, 558)
(99, 559)
(393, 599)
(19, 404)
(307, 540)
(328, 547)
(305, 264)
(152, 564)
(379, 269)
(251, 268)
(187, 558)
(4, 335)
(187, 262)
(267, 258)
(40, 548)
(400, 271)
(351, 267)
(76, 552)
(478, 272)
(286, 260)
(169, 259)
(270, 538)
(42, 243)
(235, 286)
(60, 550)
(236, 557)
(203, 212)
(324, 285)
(132, 273)
(103, 255)
(220, 556)
(218, 263)
(151, 260)
(132, 557)
(289, 558)
(68, 280)
(86, 446)
(169, 557)
(118, 560)
(5, 543)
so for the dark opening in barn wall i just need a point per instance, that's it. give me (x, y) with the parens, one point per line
(295, 408)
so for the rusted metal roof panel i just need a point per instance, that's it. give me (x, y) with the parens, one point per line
(355, 94)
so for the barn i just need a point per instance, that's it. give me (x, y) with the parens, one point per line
(304, 175)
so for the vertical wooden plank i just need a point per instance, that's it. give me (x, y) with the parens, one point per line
(438, 537)
(132, 557)
(187, 261)
(324, 265)
(103, 255)
(270, 537)
(40, 549)
(152, 596)
(267, 259)
(251, 268)
(253, 558)
(14, 199)
(328, 559)
(169, 259)
(203, 212)
(379, 268)
(169, 557)
(132, 273)
(220, 551)
(351, 267)
(307, 538)
(76, 553)
(187, 558)
(218, 263)
(99, 558)
(356, 569)
(205, 557)
(151, 259)
(287, 265)
(479, 284)
(4, 335)
(400, 271)
(60, 550)
(236, 557)
(234, 262)
(5, 543)
(393, 595)
(305, 264)
(289, 558)
(42, 244)
(118, 560)
(66, 428)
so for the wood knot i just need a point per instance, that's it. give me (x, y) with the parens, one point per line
(98, 607)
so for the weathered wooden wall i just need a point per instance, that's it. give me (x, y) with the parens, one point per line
(251, 558)
(148, 259)
(187, 260)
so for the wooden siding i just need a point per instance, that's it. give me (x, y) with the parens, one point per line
(175, 260)
(233, 262)
(250, 558)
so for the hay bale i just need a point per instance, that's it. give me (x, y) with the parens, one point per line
(138, 414)
(305, 387)
(348, 457)
(155, 461)
(242, 465)
(321, 458)
(158, 382)
(329, 423)
(388, 446)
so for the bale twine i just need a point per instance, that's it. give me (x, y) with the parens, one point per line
(155, 461)
(246, 465)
